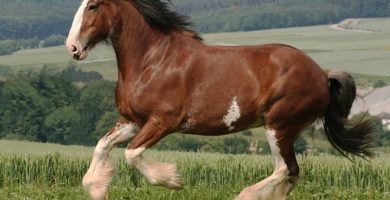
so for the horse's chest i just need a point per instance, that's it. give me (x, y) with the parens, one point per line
(130, 107)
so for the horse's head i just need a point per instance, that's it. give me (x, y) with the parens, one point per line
(92, 23)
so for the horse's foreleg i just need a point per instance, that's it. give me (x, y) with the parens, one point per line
(101, 170)
(285, 176)
(162, 174)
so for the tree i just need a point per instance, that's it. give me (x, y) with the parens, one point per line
(190, 144)
(379, 84)
(8, 47)
(247, 132)
(235, 145)
(61, 126)
(105, 123)
(57, 91)
(95, 101)
(213, 147)
(53, 40)
(71, 73)
(300, 145)
(22, 110)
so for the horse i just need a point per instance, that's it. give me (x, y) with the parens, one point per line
(169, 81)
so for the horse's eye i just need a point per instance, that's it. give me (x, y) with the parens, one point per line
(93, 7)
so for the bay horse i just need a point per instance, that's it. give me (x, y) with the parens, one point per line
(170, 81)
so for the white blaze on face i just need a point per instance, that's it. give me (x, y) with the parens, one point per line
(77, 22)
(233, 114)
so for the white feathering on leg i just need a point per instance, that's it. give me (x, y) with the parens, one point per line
(162, 174)
(102, 168)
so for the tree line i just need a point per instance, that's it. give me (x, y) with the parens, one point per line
(246, 15)
(75, 107)
(50, 107)
(40, 23)
(26, 24)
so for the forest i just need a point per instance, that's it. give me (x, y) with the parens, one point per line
(41, 23)
(74, 107)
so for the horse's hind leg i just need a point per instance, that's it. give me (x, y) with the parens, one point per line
(162, 174)
(101, 170)
(285, 176)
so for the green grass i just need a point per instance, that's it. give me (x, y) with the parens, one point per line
(363, 53)
(46, 171)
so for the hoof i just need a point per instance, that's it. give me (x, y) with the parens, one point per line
(164, 174)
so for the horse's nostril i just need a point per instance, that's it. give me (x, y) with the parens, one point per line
(74, 49)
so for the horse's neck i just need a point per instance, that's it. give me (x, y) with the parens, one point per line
(131, 45)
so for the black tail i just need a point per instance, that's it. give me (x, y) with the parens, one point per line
(347, 138)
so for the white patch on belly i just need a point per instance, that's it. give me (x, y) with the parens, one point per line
(233, 114)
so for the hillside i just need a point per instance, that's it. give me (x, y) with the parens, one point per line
(375, 102)
(21, 19)
(245, 15)
(355, 52)
(44, 23)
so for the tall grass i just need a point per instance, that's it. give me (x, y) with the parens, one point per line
(212, 176)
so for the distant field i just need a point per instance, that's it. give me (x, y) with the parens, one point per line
(377, 25)
(366, 53)
(45, 171)
(358, 52)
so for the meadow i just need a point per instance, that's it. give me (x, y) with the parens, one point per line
(357, 52)
(48, 171)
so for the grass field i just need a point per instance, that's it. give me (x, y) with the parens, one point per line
(46, 171)
(358, 52)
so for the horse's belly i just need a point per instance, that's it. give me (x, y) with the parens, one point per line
(231, 122)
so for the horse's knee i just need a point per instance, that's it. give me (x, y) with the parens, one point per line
(102, 147)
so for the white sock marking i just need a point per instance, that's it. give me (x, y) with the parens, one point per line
(274, 186)
(233, 114)
(273, 142)
(163, 174)
(102, 168)
(133, 155)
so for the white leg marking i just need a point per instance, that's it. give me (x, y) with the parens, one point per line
(163, 174)
(134, 155)
(233, 114)
(102, 168)
(276, 186)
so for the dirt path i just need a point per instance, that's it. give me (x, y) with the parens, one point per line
(350, 25)
(97, 60)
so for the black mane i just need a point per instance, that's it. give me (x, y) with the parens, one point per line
(159, 15)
